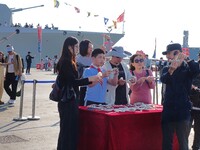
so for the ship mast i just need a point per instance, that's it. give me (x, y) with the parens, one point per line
(185, 39)
(185, 48)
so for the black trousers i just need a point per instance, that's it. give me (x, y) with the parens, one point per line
(82, 95)
(28, 67)
(181, 128)
(195, 117)
(11, 81)
(69, 125)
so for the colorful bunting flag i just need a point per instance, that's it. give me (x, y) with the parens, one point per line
(77, 9)
(56, 3)
(121, 17)
(106, 20)
(110, 27)
(115, 24)
(88, 14)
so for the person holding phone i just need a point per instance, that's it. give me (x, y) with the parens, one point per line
(141, 90)
(178, 78)
(13, 73)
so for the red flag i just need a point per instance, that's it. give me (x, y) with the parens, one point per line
(186, 51)
(39, 28)
(121, 18)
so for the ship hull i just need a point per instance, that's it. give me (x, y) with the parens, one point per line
(52, 40)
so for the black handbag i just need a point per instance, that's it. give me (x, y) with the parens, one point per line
(64, 94)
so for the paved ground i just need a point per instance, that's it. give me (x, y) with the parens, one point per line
(32, 134)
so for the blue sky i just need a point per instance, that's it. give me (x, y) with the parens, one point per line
(145, 20)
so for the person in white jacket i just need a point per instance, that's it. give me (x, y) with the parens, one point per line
(118, 94)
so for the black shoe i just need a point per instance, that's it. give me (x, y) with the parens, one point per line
(18, 94)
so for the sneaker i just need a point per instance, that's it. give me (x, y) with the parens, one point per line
(1, 103)
(11, 101)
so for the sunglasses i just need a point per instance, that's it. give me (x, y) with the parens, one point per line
(138, 60)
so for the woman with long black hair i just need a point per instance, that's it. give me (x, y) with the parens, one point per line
(68, 111)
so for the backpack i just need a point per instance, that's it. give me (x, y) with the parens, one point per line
(80, 68)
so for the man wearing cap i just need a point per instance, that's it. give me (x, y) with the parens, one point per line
(28, 62)
(178, 78)
(118, 94)
(13, 73)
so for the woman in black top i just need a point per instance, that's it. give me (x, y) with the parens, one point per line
(68, 111)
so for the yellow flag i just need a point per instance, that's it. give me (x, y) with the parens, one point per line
(56, 3)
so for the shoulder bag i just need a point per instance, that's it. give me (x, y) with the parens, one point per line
(63, 94)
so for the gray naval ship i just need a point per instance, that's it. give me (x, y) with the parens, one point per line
(25, 39)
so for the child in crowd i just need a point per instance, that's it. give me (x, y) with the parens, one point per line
(42, 64)
(96, 91)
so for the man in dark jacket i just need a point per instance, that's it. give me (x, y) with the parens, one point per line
(195, 113)
(178, 78)
(28, 62)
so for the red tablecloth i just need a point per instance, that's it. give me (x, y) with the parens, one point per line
(120, 131)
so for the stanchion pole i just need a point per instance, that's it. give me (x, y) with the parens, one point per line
(33, 117)
(154, 89)
(156, 85)
(20, 118)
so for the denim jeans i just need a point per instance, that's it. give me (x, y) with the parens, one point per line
(181, 128)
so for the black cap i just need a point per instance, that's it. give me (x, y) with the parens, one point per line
(171, 47)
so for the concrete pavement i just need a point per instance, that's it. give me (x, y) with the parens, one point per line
(39, 134)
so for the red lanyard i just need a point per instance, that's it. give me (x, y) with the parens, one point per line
(98, 69)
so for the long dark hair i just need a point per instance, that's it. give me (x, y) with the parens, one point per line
(66, 54)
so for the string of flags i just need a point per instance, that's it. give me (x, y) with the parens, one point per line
(106, 20)
(56, 3)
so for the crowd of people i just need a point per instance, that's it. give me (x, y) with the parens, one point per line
(101, 77)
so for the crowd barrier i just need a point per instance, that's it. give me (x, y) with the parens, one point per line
(33, 116)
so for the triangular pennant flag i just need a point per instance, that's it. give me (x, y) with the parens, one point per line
(88, 14)
(121, 18)
(96, 15)
(77, 9)
(56, 3)
(115, 24)
(68, 4)
(106, 20)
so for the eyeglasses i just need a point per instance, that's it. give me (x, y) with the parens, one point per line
(138, 60)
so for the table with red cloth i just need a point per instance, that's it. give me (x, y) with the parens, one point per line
(138, 130)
